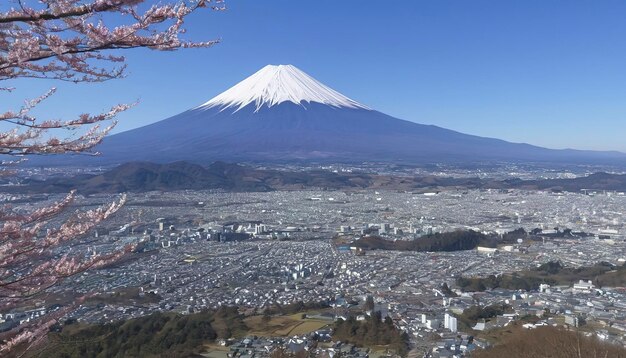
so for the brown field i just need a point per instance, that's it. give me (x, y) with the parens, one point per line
(548, 341)
(283, 326)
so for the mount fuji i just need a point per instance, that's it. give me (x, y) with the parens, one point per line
(282, 114)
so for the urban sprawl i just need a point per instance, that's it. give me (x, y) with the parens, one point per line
(204, 249)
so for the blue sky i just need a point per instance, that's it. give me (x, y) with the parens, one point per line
(550, 73)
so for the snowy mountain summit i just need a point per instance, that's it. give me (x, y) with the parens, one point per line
(273, 85)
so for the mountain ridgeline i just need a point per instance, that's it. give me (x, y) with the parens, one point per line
(146, 176)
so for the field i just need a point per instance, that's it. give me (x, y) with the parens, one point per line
(283, 326)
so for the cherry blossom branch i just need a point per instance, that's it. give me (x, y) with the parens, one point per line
(67, 40)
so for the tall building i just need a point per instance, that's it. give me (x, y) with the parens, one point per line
(450, 322)
(259, 229)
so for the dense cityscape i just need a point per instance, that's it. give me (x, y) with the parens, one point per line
(198, 250)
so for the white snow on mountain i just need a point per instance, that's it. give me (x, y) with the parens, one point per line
(273, 85)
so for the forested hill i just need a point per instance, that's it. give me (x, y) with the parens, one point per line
(146, 176)
(156, 335)
(448, 241)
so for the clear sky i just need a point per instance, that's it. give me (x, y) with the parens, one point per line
(550, 73)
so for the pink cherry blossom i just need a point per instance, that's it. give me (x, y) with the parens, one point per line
(66, 40)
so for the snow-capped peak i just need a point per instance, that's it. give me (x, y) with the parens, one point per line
(272, 85)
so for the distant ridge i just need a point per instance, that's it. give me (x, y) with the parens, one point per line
(144, 176)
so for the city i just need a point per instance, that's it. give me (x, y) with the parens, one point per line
(257, 250)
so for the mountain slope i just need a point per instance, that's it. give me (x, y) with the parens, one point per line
(287, 132)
